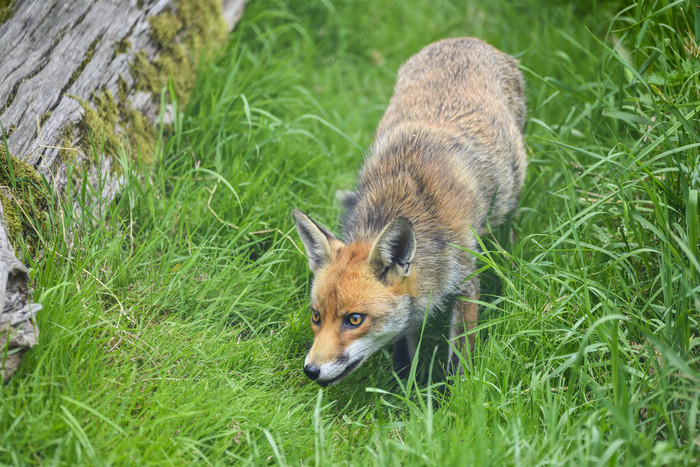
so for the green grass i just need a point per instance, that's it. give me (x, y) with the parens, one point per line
(175, 321)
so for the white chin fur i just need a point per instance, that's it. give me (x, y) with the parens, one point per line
(359, 350)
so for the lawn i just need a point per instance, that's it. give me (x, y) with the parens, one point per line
(176, 321)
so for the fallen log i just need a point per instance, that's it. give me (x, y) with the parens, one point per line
(77, 77)
(18, 331)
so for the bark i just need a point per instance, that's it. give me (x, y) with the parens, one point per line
(55, 54)
(18, 331)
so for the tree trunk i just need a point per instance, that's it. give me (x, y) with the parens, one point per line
(76, 75)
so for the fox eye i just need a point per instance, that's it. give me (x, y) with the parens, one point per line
(316, 317)
(353, 320)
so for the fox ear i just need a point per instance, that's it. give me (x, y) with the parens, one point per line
(393, 250)
(316, 238)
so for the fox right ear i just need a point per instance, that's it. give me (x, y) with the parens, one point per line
(316, 239)
(394, 249)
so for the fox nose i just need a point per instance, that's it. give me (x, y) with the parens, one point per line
(312, 371)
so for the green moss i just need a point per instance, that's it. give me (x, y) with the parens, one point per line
(67, 135)
(164, 27)
(146, 76)
(181, 34)
(190, 25)
(11, 97)
(88, 56)
(11, 218)
(99, 121)
(203, 22)
(121, 47)
(7, 9)
(45, 116)
(142, 135)
(122, 89)
(23, 198)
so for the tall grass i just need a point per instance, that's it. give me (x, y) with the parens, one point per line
(175, 321)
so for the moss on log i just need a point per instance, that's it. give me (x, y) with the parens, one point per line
(78, 72)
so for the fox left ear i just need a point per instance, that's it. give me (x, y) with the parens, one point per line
(316, 239)
(393, 250)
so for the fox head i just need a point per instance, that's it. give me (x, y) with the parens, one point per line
(361, 295)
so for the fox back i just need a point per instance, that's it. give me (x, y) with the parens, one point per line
(448, 157)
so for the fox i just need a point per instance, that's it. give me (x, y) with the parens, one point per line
(448, 158)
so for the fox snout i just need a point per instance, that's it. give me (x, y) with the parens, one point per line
(332, 372)
(312, 371)
(330, 361)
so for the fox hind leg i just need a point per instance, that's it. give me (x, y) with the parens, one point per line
(464, 319)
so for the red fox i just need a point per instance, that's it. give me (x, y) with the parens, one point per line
(448, 155)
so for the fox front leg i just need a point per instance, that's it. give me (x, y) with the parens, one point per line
(404, 351)
(464, 319)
